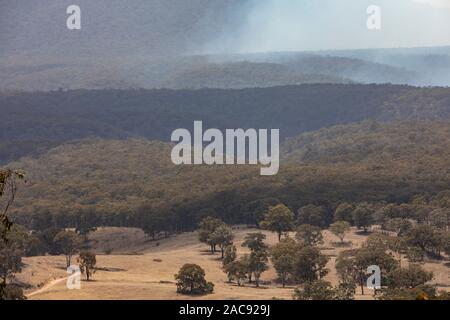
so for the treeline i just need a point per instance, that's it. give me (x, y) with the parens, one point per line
(134, 183)
(35, 122)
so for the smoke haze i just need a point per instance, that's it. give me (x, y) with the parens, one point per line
(296, 25)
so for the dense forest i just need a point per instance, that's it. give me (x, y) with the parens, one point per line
(133, 182)
(35, 122)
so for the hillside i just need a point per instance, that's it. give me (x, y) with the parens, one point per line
(128, 178)
(241, 75)
(204, 71)
(369, 141)
(35, 122)
(141, 269)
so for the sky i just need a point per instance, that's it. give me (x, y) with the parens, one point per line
(436, 3)
(293, 25)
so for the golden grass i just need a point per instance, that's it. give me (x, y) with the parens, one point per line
(141, 269)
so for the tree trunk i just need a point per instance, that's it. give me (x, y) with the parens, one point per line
(87, 273)
(361, 280)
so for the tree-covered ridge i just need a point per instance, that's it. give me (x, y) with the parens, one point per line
(35, 122)
(371, 141)
(117, 182)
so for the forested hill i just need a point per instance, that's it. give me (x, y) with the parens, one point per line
(370, 141)
(109, 182)
(35, 122)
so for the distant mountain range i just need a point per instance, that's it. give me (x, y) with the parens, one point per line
(417, 67)
(155, 44)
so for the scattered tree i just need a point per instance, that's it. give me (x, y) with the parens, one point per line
(222, 236)
(315, 290)
(413, 276)
(352, 265)
(191, 281)
(87, 261)
(363, 216)
(344, 212)
(310, 264)
(323, 290)
(309, 235)
(67, 243)
(314, 215)
(259, 255)
(279, 219)
(340, 229)
(283, 258)
(207, 227)
(230, 254)
(428, 238)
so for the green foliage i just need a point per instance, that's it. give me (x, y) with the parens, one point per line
(310, 264)
(414, 276)
(313, 215)
(237, 270)
(230, 254)
(283, 256)
(191, 281)
(10, 261)
(206, 229)
(255, 241)
(363, 216)
(138, 186)
(315, 290)
(344, 212)
(67, 243)
(254, 211)
(36, 122)
(259, 255)
(446, 243)
(222, 236)
(339, 229)
(87, 262)
(427, 238)
(309, 235)
(278, 219)
(398, 225)
(352, 265)
(323, 290)
(12, 292)
(11, 251)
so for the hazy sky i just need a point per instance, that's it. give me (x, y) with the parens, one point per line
(284, 25)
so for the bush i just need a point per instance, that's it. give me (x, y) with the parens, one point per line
(191, 281)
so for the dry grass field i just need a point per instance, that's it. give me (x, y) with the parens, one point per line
(138, 268)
